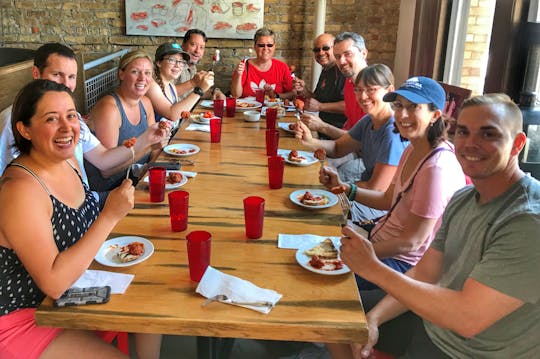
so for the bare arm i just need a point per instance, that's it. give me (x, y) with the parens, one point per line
(311, 104)
(467, 312)
(315, 123)
(52, 270)
(236, 81)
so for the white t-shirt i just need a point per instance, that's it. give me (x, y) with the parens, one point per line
(8, 150)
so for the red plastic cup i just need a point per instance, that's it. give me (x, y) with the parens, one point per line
(215, 130)
(254, 216)
(271, 116)
(156, 179)
(231, 106)
(259, 95)
(218, 107)
(178, 210)
(198, 250)
(272, 142)
(276, 165)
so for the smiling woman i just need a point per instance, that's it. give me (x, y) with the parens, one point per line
(121, 115)
(63, 210)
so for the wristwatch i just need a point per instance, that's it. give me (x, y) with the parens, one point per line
(197, 90)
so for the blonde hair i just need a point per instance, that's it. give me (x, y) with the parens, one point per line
(132, 56)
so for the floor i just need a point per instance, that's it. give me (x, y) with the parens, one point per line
(176, 347)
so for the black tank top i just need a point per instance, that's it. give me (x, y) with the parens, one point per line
(17, 288)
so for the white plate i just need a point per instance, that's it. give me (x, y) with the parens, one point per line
(171, 185)
(109, 248)
(285, 126)
(207, 103)
(171, 149)
(252, 104)
(309, 157)
(273, 103)
(303, 260)
(332, 198)
(198, 118)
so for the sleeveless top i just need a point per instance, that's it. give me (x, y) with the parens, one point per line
(127, 130)
(17, 288)
(173, 101)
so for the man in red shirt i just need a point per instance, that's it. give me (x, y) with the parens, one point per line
(350, 53)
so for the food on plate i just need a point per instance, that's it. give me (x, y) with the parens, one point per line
(208, 114)
(222, 25)
(130, 252)
(324, 256)
(286, 102)
(244, 104)
(325, 249)
(293, 126)
(182, 152)
(299, 104)
(320, 154)
(310, 199)
(295, 157)
(174, 177)
(185, 115)
(130, 142)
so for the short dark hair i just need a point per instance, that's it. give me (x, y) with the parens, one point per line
(190, 32)
(42, 54)
(25, 106)
(511, 112)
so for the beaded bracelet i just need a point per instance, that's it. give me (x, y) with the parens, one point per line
(352, 193)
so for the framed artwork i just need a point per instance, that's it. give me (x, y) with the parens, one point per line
(217, 18)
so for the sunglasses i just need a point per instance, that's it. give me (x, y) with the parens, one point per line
(267, 45)
(324, 48)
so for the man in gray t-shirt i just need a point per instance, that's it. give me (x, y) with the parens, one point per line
(475, 293)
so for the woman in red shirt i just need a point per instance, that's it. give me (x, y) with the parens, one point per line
(263, 71)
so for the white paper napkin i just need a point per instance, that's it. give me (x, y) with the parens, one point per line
(296, 241)
(118, 282)
(188, 174)
(198, 127)
(215, 282)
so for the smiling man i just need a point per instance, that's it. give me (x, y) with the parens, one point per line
(475, 292)
(190, 79)
(327, 99)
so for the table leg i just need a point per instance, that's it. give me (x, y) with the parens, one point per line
(214, 348)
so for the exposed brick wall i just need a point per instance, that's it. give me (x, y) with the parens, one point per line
(476, 49)
(99, 26)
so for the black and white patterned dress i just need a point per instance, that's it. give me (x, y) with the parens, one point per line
(17, 288)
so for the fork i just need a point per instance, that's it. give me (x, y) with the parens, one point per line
(224, 299)
(345, 207)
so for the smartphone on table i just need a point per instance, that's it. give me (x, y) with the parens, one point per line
(82, 296)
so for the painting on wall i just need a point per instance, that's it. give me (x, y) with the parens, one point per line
(217, 18)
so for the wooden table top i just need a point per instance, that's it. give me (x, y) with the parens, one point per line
(162, 299)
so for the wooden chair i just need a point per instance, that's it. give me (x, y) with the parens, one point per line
(455, 96)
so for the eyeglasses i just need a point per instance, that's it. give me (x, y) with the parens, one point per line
(368, 90)
(172, 61)
(324, 48)
(267, 45)
(411, 108)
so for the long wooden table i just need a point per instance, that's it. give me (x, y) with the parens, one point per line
(162, 299)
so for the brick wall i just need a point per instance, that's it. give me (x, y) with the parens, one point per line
(99, 26)
(476, 50)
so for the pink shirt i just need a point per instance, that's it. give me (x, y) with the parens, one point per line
(353, 111)
(278, 77)
(433, 186)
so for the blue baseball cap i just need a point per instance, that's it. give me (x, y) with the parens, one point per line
(420, 90)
